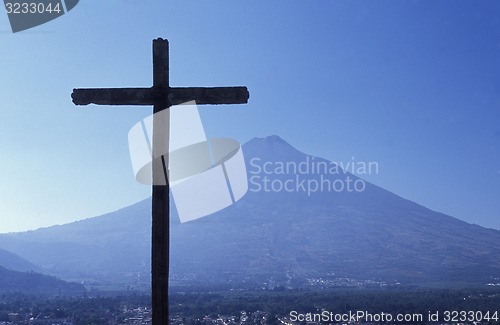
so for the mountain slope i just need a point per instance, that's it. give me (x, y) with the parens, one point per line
(13, 262)
(373, 234)
(114, 244)
(36, 283)
(291, 235)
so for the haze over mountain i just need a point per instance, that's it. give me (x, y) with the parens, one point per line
(291, 237)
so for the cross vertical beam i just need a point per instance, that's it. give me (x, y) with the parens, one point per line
(160, 232)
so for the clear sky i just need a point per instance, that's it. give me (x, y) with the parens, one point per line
(412, 85)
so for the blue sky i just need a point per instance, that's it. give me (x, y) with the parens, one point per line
(412, 85)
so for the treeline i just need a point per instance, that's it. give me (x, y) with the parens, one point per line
(81, 310)
(395, 301)
(195, 305)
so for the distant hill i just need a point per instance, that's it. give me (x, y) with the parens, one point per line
(36, 283)
(277, 237)
(14, 262)
(113, 248)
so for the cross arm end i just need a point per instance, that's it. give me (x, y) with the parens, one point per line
(116, 96)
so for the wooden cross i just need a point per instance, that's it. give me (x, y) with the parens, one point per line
(161, 96)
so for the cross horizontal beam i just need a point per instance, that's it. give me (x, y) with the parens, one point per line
(164, 97)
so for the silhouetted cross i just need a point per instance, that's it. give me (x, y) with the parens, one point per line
(161, 96)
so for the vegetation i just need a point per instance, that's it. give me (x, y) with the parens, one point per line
(281, 302)
(81, 310)
(192, 306)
